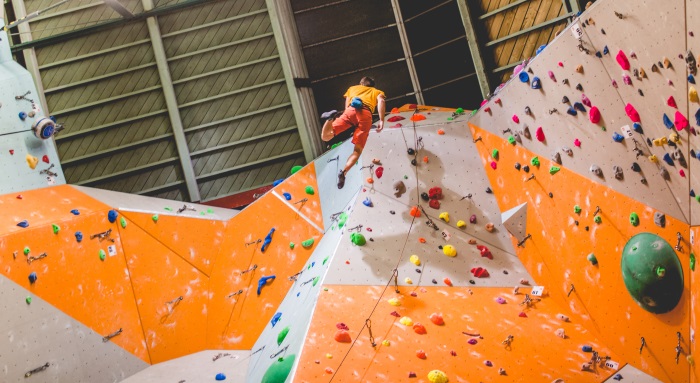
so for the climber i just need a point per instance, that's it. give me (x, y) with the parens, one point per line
(360, 102)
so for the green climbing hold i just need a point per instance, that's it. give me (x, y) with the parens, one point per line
(155, 217)
(283, 334)
(296, 169)
(122, 221)
(405, 177)
(597, 219)
(494, 154)
(603, 128)
(26, 250)
(511, 140)
(310, 190)
(554, 169)
(308, 243)
(55, 228)
(342, 219)
(634, 219)
(459, 111)
(28, 300)
(325, 289)
(336, 145)
(167, 208)
(291, 245)
(102, 255)
(450, 118)
(315, 281)
(210, 211)
(652, 273)
(358, 239)
(279, 370)
(577, 209)
(473, 112)
(535, 161)
(325, 260)
(692, 262)
(592, 259)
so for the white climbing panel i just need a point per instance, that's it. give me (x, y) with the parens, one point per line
(631, 374)
(199, 367)
(515, 221)
(327, 168)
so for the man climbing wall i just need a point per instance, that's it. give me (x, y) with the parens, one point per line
(360, 102)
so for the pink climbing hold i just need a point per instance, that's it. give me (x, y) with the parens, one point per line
(632, 113)
(585, 100)
(539, 134)
(577, 143)
(614, 84)
(551, 75)
(522, 314)
(681, 172)
(594, 114)
(681, 121)
(341, 326)
(480, 272)
(671, 102)
(395, 314)
(484, 102)
(561, 64)
(494, 165)
(516, 119)
(622, 60)
(485, 252)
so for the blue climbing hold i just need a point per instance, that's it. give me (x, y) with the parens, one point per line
(540, 49)
(262, 281)
(571, 111)
(276, 318)
(598, 54)
(697, 117)
(75, 212)
(22, 116)
(692, 193)
(668, 159)
(78, 236)
(580, 107)
(523, 76)
(279, 181)
(668, 122)
(697, 154)
(606, 50)
(586, 348)
(220, 376)
(691, 79)
(368, 202)
(313, 264)
(267, 241)
(299, 293)
(24, 224)
(112, 216)
(617, 137)
(32, 277)
(617, 377)
(287, 196)
(536, 84)
(637, 128)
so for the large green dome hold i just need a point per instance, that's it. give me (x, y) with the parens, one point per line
(652, 273)
(279, 370)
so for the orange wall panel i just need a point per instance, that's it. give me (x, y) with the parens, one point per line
(195, 240)
(556, 254)
(236, 322)
(296, 185)
(160, 276)
(536, 354)
(72, 277)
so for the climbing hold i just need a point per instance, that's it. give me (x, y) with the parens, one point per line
(279, 370)
(556, 157)
(667, 158)
(523, 76)
(421, 354)
(571, 111)
(595, 169)
(536, 83)
(617, 137)
(579, 68)
(664, 173)
(461, 224)
(220, 376)
(632, 113)
(579, 106)
(308, 243)
(437, 319)
(511, 140)
(449, 250)
(659, 219)
(692, 262)
(656, 289)
(437, 376)
(594, 115)
(554, 169)
(472, 218)
(394, 302)
(282, 334)
(560, 333)
(494, 165)
(577, 209)
(479, 272)
(342, 336)
(667, 63)
(112, 216)
(32, 161)
(78, 236)
(488, 363)
(28, 300)
(494, 154)
(368, 202)
(618, 172)
(275, 319)
(154, 217)
(500, 300)
(622, 60)
(539, 134)
(414, 259)
(562, 317)
(577, 143)
(435, 204)
(356, 238)
(592, 259)
(102, 255)
(445, 216)
(681, 172)
(551, 76)
(309, 190)
(415, 212)
(484, 251)
(379, 172)
(534, 161)
(32, 277)
(597, 219)
(472, 341)
(447, 281)
(287, 196)
(408, 281)
(489, 227)
(406, 321)
(295, 169)
(417, 117)
(667, 122)
(671, 102)
(399, 188)
(681, 121)
(23, 224)
(515, 118)
(75, 212)
(263, 281)
(586, 348)
(419, 329)
(636, 168)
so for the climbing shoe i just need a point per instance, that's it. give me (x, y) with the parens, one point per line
(332, 115)
(341, 179)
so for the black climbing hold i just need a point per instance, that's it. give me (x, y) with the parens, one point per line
(644, 181)
(392, 212)
(424, 196)
(635, 167)
(414, 162)
(649, 142)
(418, 271)
(551, 195)
(576, 223)
(565, 100)
(440, 247)
(586, 228)
(692, 193)
(579, 87)
(602, 30)
(598, 54)
(371, 239)
(692, 153)
(411, 152)
(472, 281)
(505, 272)
(672, 144)
(565, 81)
(489, 191)
(434, 282)
(640, 92)
(526, 169)
(517, 166)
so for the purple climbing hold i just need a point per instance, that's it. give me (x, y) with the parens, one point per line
(472, 341)
(112, 216)
(472, 219)
(23, 224)
(500, 300)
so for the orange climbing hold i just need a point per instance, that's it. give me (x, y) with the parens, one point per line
(342, 336)
(370, 180)
(419, 329)
(425, 159)
(395, 110)
(415, 212)
(417, 117)
(421, 240)
(441, 132)
(421, 354)
(437, 319)
(447, 281)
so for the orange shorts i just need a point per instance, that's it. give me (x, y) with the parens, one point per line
(351, 117)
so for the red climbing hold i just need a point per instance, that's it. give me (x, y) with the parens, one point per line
(480, 272)
(413, 106)
(632, 113)
(412, 374)
(329, 370)
(12, 151)
(342, 336)
(539, 134)
(681, 172)
(485, 252)
(594, 115)
(419, 329)
(494, 165)
(671, 102)
(425, 159)
(347, 262)
(577, 143)
(342, 326)
(417, 117)
(622, 60)
(421, 240)
(516, 119)
(522, 314)
(379, 172)
(561, 64)
(497, 101)
(395, 118)
(437, 319)
(681, 121)
(435, 204)
(435, 193)
(421, 354)
(487, 110)
(453, 352)
(19, 196)
(395, 314)
(447, 281)
(45, 158)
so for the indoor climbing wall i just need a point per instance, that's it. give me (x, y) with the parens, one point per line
(693, 111)
(27, 150)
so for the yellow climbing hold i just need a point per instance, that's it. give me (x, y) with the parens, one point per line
(449, 250)
(406, 321)
(673, 137)
(415, 260)
(394, 302)
(32, 161)
(329, 356)
(653, 158)
(461, 224)
(437, 376)
(445, 216)
(408, 281)
(693, 95)
(386, 343)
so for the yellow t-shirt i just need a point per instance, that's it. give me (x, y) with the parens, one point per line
(367, 94)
